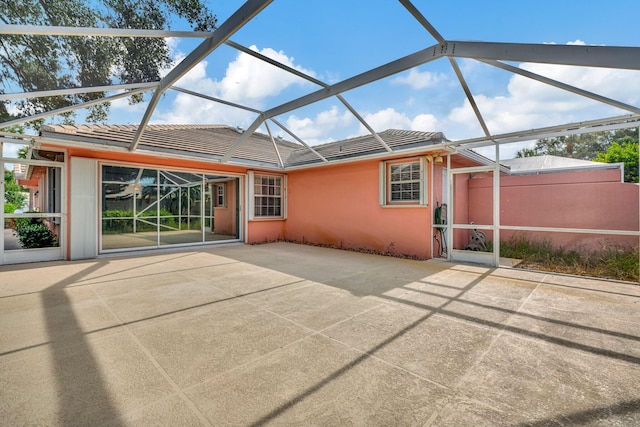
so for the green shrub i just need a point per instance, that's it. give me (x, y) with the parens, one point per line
(36, 235)
(121, 221)
(22, 222)
(195, 224)
(9, 208)
(117, 214)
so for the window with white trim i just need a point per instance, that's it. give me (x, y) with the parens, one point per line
(403, 182)
(268, 196)
(220, 196)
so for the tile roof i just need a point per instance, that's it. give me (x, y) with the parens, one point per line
(213, 141)
(208, 141)
(367, 144)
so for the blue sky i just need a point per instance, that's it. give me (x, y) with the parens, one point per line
(333, 40)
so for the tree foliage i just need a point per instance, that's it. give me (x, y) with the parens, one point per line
(620, 146)
(585, 146)
(37, 63)
(23, 151)
(625, 152)
(13, 193)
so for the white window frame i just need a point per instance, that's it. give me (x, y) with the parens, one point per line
(221, 195)
(385, 183)
(252, 196)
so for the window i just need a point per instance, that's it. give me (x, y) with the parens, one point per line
(52, 196)
(402, 183)
(268, 196)
(220, 202)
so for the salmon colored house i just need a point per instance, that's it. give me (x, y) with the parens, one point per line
(382, 192)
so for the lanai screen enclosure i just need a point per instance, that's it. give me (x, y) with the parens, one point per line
(161, 202)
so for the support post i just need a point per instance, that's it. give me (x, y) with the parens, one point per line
(496, 209)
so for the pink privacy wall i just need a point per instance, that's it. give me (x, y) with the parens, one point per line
(339, 205)
(461, 210)
(585, 199)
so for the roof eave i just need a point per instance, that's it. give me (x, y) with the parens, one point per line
(142, 150)
(442, 147)
(472, 155)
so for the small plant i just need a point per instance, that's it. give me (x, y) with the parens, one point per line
(33, 233)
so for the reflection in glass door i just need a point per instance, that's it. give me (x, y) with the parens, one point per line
(143, 207)
(180, 208)
(32, 206)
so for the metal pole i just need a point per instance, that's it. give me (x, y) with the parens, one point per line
(450, 207)
(496, 209)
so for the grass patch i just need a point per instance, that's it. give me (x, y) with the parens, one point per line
(610, 263)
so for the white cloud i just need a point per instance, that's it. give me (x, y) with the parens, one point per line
(389, 118)
(251, 80)
(247, 81)
(425, 123)
(316, 130)
(531, 104)
(385, 119)
(419, 79)
(333, 124)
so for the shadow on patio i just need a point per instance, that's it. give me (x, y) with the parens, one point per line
(288, 334)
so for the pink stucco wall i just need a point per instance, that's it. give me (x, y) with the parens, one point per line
(225, 216)
(263, 231)
(339, 205)
(585, 199)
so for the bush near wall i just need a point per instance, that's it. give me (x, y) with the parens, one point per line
(34, 233)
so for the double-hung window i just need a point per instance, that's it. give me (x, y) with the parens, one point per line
(220, 196)
(267, 195)
(403, 182)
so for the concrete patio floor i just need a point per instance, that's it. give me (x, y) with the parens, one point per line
(284, 334)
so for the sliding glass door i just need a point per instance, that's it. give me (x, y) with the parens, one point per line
(148, 207)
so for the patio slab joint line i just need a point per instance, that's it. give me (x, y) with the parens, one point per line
(155, 363)
(270, 353)
(501, 331)
(386, 362)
